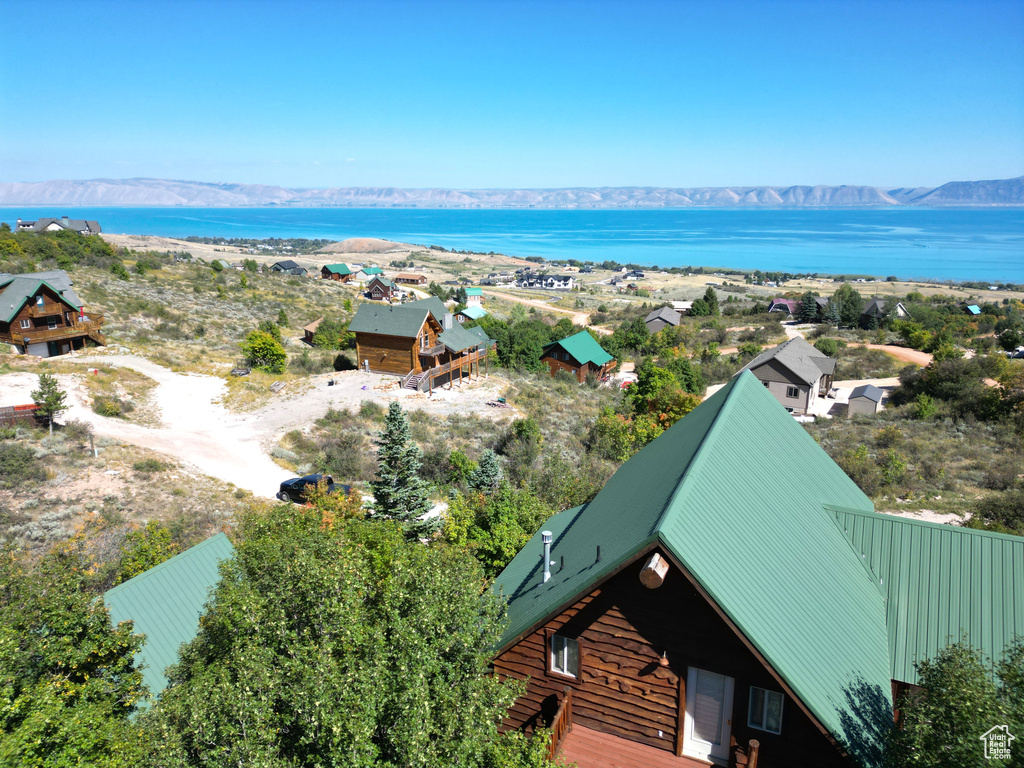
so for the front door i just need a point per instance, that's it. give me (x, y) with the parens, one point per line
(708, 715)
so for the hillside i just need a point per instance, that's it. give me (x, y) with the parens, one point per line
(161, 192)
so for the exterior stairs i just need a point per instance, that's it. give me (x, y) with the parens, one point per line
(413, 382)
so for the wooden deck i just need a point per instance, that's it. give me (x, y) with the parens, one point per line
(592, 749)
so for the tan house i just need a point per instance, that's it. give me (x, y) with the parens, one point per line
(864, 401)
(409, 278)
(40, 314)
(795, 372)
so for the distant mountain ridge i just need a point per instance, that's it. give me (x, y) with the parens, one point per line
(163, 192)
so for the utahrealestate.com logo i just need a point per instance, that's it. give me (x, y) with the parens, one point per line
(997, 742)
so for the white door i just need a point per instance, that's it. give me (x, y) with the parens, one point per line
(708, 715)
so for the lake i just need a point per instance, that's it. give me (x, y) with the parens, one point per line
(930, 243)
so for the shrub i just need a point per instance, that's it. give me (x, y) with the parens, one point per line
(264, 352)
(150, 465)
(18, 466)
(111, 406)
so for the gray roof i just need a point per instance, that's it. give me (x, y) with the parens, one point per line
(285, 265)
(57, 279)
(869, 391)
(802, 359)
(78, 225)
(15, 290)
(875, 308)
(666, 314)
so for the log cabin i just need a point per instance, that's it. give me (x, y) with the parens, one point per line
(418, 341)
(339, 272)
(40, 314)
(410, 278)
(724, 602)
(578, 354)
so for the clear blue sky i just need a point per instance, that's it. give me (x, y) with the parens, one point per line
(502, 93)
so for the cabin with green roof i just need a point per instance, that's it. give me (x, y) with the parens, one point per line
(580, 355)
(471, 313)
(418, 341)
(41, 315)
(165, 603)
(338, 272)
(721, 601)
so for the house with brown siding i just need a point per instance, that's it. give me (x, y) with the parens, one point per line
(578, 354)
(339, 272)
(794, 372)
(418, 341)
(40, 314)
(381, 289)
(408, 278)
(724, 602)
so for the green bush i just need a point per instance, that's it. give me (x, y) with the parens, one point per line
(18, 466)
(111, 406)
(150, 465)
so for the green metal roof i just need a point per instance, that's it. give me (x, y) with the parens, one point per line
(583, 348)
(474, 313)
(474, 291)
(940, 581)
(18, 290)
(166, 602)
(480, 333)
(747, 520)
(435, 305)
(372, 271)
(338, 269)
(458, 339)
(382, 280)
(389, 320)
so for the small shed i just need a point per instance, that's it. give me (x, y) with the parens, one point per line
(309, 331)
(865, 400)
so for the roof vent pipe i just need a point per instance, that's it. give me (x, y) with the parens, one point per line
(598, 553)
(545, 536)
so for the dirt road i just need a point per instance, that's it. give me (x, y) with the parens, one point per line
(578, 318)
(198, 431)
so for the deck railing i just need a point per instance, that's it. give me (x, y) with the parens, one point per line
(39, 335)
(562, 723)
(453, 365)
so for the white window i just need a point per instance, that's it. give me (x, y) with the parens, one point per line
(765, 712)
(792, 392)
(51, 323)
(565, 656)
(26, 323)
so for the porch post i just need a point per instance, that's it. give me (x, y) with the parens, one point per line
(681, 711)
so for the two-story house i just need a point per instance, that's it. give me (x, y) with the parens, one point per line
(40, 314)
(795, 372)
(730, 597)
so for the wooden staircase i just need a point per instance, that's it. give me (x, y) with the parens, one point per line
(413, 381)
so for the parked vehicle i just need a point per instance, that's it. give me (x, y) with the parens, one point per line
(295, 489)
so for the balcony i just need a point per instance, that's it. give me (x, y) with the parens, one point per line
(90, 327)
(47, 310)
(433, 351)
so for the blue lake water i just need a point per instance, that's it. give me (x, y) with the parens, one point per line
(933, 243)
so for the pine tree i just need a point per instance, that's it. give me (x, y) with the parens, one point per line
(49, 399)
(832, 315)
(711, 299)
(399, 493)
(486, 477)
(808, 308)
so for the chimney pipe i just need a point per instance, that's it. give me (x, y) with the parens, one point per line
(598, 553)
(545, 536)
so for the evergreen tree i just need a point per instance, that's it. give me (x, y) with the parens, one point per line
(808, 308)
(850, 305)
(49, 399)
(487, 475)
(399, 493)
(832, 316)
(282, 318)
(711, 299)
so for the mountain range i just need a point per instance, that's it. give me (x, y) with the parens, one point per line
(163, 192)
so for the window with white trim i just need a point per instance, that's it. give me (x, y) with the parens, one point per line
(565, 655)
(792, 392)
(26, 323)
(765, 711)
(39, 300)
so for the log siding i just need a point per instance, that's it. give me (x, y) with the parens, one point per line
(624, 689)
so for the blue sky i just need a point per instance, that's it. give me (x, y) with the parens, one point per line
(513, 94)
